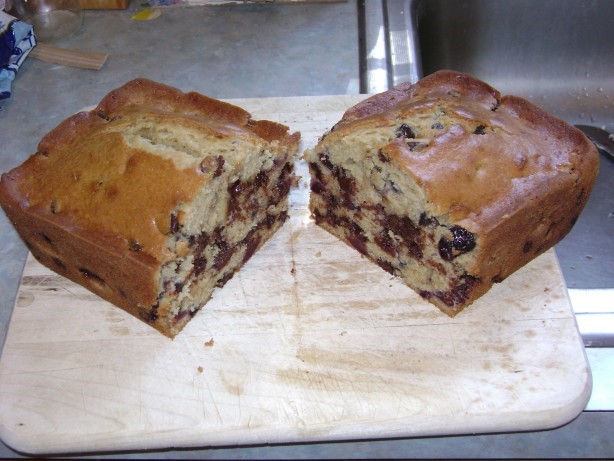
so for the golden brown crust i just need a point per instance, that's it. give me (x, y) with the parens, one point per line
(440, 83)
(498, 166)
(142, 93)
(456, 169)
(98, 208)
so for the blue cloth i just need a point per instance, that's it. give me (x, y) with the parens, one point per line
(16, 41)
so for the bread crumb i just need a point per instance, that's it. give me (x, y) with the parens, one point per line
(209, 343)
(200, 369)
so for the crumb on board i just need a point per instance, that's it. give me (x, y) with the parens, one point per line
(209, 343)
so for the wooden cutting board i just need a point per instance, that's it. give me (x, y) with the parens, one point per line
(309, 342)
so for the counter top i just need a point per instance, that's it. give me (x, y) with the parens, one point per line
(227, 52)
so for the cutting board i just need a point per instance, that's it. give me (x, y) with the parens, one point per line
(308, 342)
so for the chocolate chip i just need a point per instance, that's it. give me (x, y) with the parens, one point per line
(234, 190)
(220, 166)
(225, 252)
(346, 182)
(403, 226)
(282, 188)
(479, 130)
(317, 172)
(199, 242)
(261, 179)
(88, 274)
(383, 157)
(149, 316)
(58, 262)
(527, 246)
(174, 224)
(200, 263)
(456, 295)
(133, 245)
(222, 281)
(358, 242)
(385, 242)
(317, 187)
(250, 247)
(356, 236)
(270, 220)
(385, 265)
(405, 131)
(46, 238)
(325, 160)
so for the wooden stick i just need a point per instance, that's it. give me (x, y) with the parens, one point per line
(68, 57)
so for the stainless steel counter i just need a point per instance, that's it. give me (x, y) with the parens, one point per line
(247, 51)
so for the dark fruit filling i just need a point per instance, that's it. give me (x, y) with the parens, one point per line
(462, 241)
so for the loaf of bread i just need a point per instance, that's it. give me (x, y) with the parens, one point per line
(154, 198)
(448, 185)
